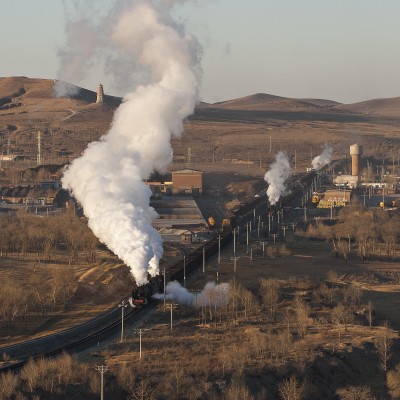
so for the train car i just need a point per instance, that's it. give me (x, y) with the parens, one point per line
(227, 225)
(211, 222)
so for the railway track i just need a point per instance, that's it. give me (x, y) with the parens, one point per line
(75, 338)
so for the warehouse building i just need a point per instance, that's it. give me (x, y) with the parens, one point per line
(187, 181)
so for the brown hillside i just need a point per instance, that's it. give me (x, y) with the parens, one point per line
(268, 102)
(387, 107)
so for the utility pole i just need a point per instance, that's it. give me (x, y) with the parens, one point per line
(269, 224)
(234, 243)
(164, 285)
(234, 259)
(219, 249)
(184, 270)
(39, 145)
(102, 369)
(204, 259)
(247, 237)
(140, 332)
(171, 306)
(123, 305)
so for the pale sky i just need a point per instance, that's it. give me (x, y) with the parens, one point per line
(343, 50)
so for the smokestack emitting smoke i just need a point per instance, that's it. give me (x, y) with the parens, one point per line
(107, 179)
(212, 294)
(323, 159)
(276, 176)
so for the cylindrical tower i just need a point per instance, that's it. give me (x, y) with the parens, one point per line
(355, 151)
(100, 94)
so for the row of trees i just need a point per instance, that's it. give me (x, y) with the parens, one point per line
(26, 235)
(41, 292)
(374, 232)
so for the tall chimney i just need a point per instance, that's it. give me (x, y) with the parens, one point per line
(100, 94)
(355, 151)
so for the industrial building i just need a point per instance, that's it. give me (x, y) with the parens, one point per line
(187, 181)
(178, 212)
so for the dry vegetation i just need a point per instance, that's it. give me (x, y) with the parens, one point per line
(303, 341)
(372, 233)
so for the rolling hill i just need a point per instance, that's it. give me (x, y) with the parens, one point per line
(386, 107)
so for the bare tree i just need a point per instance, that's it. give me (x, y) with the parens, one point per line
(238, 390)
(393, 382)
(302, 312)
(269, 290)
(384, 344)
(342, 316)
(291, 389)
(143, 390)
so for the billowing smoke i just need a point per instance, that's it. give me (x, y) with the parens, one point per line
(212, 295)
(323, 159)
(276, 177)
(107, 179)
(77, 56)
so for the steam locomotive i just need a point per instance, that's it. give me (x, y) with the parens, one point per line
(142, 295)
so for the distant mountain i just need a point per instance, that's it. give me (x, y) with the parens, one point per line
(268, 102)
(386, 107)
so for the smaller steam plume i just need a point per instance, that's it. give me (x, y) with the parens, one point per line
(323, 159)
(212, 295)
(276, 177)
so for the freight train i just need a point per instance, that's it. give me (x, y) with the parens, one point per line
(142, 295)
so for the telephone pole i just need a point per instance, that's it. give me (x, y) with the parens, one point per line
(123, 305)
(102, 369)
(39, 147)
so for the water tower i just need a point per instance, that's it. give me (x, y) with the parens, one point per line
(356, 151)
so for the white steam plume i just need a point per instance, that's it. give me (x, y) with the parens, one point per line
(323, 159)
(276, 177)
(107, 179)
(212, 294)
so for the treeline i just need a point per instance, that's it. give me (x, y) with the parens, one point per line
(29, 236)
(42, 291)
(372, 233)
